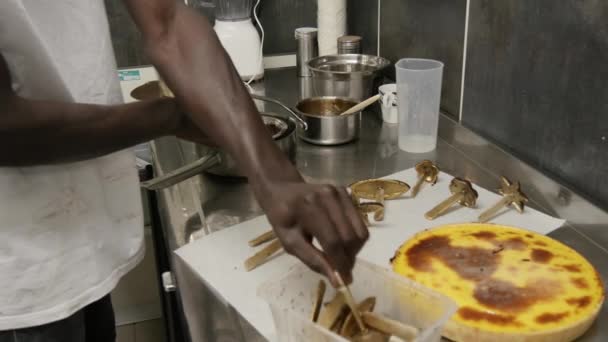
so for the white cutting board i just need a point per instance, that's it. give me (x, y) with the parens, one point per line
(218, 258)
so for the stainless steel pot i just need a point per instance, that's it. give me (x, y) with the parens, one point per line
(324, 124)
(351, 75)
(218, 162)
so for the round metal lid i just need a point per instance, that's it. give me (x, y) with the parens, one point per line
(306, 32)
(349, 39)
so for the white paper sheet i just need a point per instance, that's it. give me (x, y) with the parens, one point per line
(218, 258)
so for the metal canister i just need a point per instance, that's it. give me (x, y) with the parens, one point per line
(349, 44)
(308, 48)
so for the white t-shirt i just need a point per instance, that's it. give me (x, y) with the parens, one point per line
(67, 232)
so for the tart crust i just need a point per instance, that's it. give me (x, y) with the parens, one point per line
(511, 284)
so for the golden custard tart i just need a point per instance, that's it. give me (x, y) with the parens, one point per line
(510, 284)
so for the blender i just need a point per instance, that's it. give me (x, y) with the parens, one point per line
(239, 37)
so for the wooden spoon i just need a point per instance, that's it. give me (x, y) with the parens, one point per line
(362, 105)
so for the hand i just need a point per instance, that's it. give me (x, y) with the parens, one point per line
(300, 212)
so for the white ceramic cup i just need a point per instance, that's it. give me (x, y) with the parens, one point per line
(388, 103)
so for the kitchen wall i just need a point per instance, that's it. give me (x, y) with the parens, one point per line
(413, 28)
(278, 17)
(536, 83)
(535, 77)
(362, 21)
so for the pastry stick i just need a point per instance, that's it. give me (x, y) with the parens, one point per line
(262, 256)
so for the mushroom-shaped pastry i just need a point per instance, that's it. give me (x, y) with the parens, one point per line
(367, 208)
(379, 190)
(368, 188)
(462, 193)
(427, 172)
(379, 214)
(511, 195)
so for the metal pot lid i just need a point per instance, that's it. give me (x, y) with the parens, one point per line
(279, 127)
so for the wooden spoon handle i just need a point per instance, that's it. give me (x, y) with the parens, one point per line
(380, 195)
(362, 105)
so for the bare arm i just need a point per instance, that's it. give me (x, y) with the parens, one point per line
(49, 132)
(191, 60)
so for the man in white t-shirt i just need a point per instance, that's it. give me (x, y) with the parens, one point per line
(70, 215)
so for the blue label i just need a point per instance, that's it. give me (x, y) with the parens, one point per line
(129, 75)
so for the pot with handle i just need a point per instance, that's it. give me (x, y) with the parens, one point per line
(214, 160)
(352, 76)
(325, 125)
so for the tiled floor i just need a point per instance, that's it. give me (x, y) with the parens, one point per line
(147, 331)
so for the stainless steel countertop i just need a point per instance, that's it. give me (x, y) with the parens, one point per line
(226, 202)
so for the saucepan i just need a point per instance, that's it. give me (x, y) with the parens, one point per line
(220, 163)
(216, 161)
(325, 125)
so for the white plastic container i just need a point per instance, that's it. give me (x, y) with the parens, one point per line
(419, 95)
(291, 297)
(388, 103)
